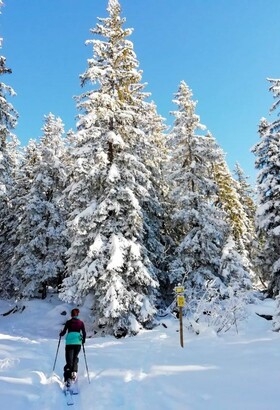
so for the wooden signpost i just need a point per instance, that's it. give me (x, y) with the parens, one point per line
(180, 303)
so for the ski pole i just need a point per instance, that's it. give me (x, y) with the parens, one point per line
(56, 353)
(86, 363)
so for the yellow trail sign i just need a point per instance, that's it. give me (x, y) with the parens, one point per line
(180, 301)
(179, 289)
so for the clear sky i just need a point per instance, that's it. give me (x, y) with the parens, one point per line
(223, 49)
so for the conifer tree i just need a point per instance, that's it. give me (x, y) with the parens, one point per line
(235, 269)
(206, 253)
(22, 187)
(275, 89)
(247, 199)
(155, 157)
(267, 152)
(111, 189)
(38, 260)
(237, 255)
(8, 163)
(228, 199)
(198, 226)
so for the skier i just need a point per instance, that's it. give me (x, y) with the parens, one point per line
(75, 337)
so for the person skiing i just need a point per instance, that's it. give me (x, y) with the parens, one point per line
(75, 337)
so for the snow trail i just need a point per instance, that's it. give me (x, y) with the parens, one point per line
(151, 371)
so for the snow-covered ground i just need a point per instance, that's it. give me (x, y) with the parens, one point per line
(148, 372)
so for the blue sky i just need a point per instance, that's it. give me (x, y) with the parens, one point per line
(223, 49)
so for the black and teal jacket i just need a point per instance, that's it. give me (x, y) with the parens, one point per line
(76, 331)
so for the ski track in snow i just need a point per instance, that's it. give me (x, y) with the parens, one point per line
(151, 371)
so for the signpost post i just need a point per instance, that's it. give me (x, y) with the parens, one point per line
(180, 303)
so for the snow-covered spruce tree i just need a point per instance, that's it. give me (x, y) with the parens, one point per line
(39, 257)
(236, 265)
(228, 199)
(264, 253)
(275, 89)
(21, 189)
(247, 199)
(235, 269)
(8, 164)
(239, 240)
(111, 188)
(267, 152)
(224, 301)
(246, 196)
(198, 227)
(154, 155)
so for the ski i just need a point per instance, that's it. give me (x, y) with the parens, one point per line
(75, 387)
(69, 395)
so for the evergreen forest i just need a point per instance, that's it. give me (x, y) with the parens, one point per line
(121, 210)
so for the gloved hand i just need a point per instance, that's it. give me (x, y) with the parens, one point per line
(60, 334)
(84, 341)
